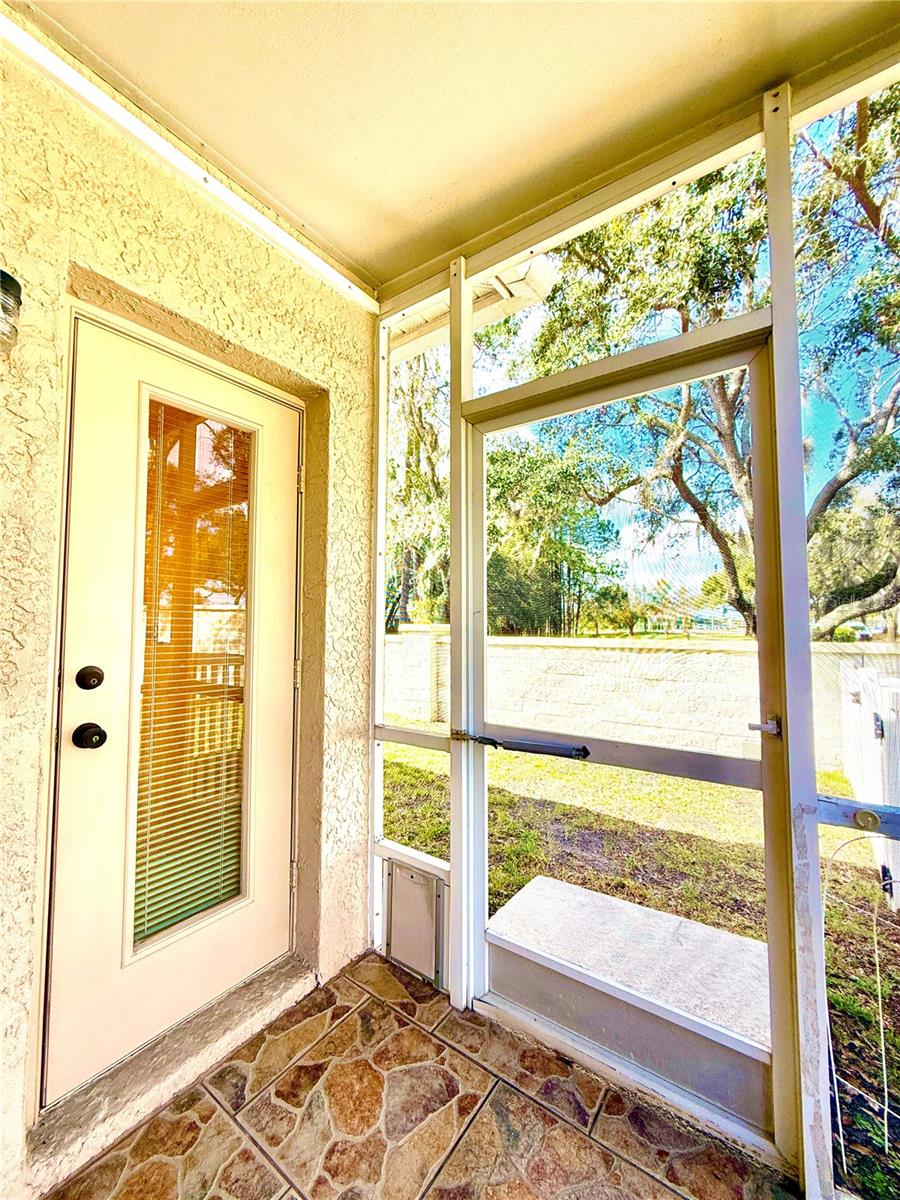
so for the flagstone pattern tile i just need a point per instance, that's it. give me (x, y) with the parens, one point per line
(414, 997)
(190, 1150)
(696, 1163)
(554, 1080)
(254, 1065)
(354, 1099)
(370, 1111)
(516, 1149)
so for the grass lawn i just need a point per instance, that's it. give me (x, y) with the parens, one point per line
(689, 848)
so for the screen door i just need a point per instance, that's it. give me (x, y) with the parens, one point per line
(627, 685)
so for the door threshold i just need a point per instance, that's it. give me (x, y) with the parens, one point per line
(90, 1119)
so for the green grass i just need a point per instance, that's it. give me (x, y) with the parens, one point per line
(679, 846)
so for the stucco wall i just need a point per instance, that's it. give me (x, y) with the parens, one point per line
(74, 190)
(690, 696)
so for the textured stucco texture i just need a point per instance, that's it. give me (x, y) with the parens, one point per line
(74, 190)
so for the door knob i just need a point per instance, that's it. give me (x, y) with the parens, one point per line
(89, 678)
(89, 736)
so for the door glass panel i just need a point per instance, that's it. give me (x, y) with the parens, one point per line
(191, 790)
(620, 572)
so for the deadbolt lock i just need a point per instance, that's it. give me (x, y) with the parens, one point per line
(89, 678)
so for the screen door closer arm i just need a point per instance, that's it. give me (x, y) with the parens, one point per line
(555, 749)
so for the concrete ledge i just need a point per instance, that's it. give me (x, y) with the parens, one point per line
(89, 1120)
(691, 971)
(687, 1003)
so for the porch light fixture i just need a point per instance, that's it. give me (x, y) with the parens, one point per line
(10, 303)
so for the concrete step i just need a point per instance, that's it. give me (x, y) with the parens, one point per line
(687, 1003)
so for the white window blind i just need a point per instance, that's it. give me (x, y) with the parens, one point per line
(190, 812)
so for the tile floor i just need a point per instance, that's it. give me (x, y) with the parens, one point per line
(373, 1088)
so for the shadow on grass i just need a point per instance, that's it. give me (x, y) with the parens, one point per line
(720, 884)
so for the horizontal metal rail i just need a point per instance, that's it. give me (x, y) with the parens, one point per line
(417, 860)
(687, 356)
(423, 738)
(865, 818)
(657, 760)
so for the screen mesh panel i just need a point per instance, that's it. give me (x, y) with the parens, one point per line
(416, 637)
(190, 807)
(621, 582)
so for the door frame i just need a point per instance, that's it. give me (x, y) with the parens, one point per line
(741, 342)
(766, 342)
(80, 311)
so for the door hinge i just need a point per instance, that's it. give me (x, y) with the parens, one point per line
(301, 479)
(296, 672)
(879, 726)
(294, 875)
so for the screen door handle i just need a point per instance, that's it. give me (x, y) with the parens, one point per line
(772, 727)
(556, 749)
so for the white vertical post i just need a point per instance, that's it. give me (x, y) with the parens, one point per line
(382, 403)
(797, 970)
(376, 757)
(467, 840)
(478, 795)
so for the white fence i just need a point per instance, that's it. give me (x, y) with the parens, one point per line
(871, 751)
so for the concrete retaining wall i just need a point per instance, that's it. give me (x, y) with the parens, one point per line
(696, 695)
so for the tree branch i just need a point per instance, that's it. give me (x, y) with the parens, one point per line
(602, 499)
(855, 461)
(885, 597)
(857, 182)
(675, 428)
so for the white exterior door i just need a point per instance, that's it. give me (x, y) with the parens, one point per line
(173, 817)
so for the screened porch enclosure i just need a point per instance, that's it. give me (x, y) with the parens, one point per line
(452, 656)
(601, 721)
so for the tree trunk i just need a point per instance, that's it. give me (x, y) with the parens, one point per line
(891, 619)
(407, 584)
(736, 597)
